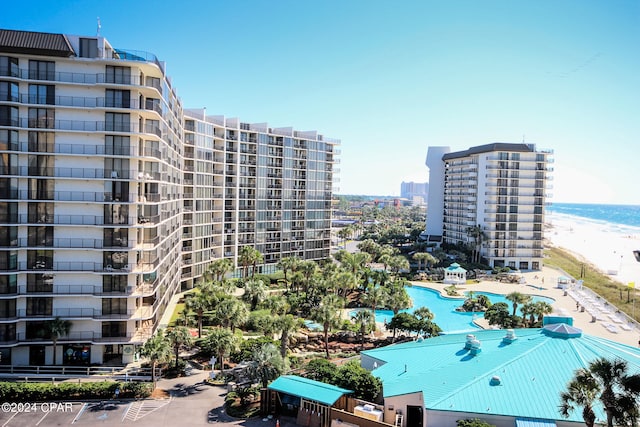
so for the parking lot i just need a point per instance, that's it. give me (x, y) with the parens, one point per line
(190, 402)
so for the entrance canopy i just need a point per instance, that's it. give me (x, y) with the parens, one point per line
(308, 389)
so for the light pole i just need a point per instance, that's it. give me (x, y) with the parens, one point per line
(636, 254)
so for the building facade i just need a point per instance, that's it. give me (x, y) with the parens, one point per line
(493, 199)
(108, 205)
(414, 191)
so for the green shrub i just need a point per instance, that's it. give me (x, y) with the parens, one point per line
(38, 392)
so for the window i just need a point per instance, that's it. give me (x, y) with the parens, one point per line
(114, 329)
(116, 214)
(41, 165)
(7, 308)
(119, 75)
(40, 236)
(88, 48)
(9, 66)
(42, 94)
(115, 260)
(39, 306)
(8, 116)
(9, 140)
(42, 70)
(41, 189)
(7, 333)
(116, 145)
(41, 142)
(42, 118)
(40, 213)
(117, 98)
(40, 259)
(8, 236)
(9, 164)
(114, 283)
(9, 284)
(9, 91)
(116, 168)
(8, 212)
(116, 237)
(39, 283)
(8, 260)
(114, 306)
(117, 122)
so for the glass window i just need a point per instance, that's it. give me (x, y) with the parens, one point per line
(8, 116)
(42, 70)
(41, 142)
(9, 66)
(88, 48)
(114, 283)
(41, 189)
(117, 122)
(40, 213)
(117, 98)
(119, 75)
(40, 259)
(40, 236)
(117, 145)
(42, 94)
(39, 306)
(42, 118)
(9, 91)
(114, 329)
(41, 166)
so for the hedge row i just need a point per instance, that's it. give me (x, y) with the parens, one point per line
(38, 392)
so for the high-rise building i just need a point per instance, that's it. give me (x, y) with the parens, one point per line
(492, 198)
(414, 190)
(110, 200)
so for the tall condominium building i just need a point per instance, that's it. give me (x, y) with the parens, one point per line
(108, 205)
(268, 188)
(500, 188)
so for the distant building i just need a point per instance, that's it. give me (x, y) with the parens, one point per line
(499, 187)
(414, 191)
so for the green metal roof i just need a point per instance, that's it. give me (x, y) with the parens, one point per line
(532, 371)
(308, 389)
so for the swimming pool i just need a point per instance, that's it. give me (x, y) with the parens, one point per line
(444, 308)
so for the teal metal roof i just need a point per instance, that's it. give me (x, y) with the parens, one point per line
(531, 371)
(534, 422)
(308, 389)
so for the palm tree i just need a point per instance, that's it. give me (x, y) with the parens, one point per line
(398, 263)
(426, 257)
(254, 291)
(608, 382)
(231, 313)
(582, 390)
(267, 364)
(479, 236)
(177, 338)
(54, 329)
(529, 310)
(542, 308)
(328, 315)
(375, 296)
(287, 325)
(249, 256)
(157, 350)
(288, 264)
(218, 269)
(198, 302)
(221, 342)
(423, 313)
(366, 322)
(517, 298)
(397, 300)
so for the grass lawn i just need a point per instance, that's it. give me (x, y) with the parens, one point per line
(613, 291)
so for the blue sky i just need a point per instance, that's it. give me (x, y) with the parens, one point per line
(390, 78)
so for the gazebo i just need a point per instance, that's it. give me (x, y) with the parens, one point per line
(454, 274)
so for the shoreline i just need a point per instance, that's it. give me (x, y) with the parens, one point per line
(607, 247)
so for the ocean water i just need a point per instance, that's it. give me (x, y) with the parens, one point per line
(624, 215)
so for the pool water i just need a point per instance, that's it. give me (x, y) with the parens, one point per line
(444, 308)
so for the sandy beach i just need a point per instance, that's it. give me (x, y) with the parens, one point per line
(607, 247)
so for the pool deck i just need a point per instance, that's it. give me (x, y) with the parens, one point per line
(543, 283)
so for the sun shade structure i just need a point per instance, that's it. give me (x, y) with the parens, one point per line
(308, 389)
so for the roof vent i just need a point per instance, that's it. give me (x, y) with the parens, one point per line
(475, 347)
(509, 337)
(470, 339)
(495, 380)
